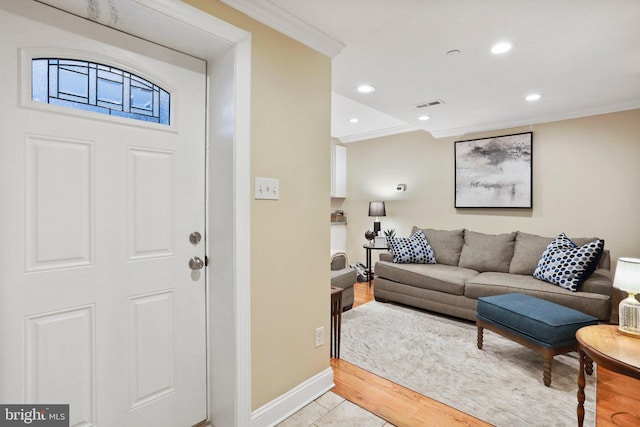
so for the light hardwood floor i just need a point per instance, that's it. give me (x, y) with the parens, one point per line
(392, 402)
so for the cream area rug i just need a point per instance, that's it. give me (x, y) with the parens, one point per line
(439, 358)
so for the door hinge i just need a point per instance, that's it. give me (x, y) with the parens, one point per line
(206, 260)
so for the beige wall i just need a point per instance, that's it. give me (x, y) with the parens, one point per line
(586, 182)
(290, 127)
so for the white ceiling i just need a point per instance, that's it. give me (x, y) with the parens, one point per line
(582, 56)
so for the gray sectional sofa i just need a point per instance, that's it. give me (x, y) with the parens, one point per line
(472, 265)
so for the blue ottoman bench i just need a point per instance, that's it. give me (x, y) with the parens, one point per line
(540, 325)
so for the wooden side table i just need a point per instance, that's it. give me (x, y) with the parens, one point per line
(615, 352)
(369, 248)
(336, 320)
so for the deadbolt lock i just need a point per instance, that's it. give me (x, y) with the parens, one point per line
(195, 237)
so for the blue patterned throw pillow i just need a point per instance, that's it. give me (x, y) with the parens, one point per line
(411, 250)
(566, 264)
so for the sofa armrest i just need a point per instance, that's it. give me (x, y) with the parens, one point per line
(386, 256)
(599, 282)
(344, 278)
(605, 260)
(339, 260)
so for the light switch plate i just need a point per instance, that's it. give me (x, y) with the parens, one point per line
(267, 188)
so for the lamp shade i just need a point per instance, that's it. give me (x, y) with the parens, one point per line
(377, 209)
(627, 275)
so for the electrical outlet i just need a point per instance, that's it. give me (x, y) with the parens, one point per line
(319, 336)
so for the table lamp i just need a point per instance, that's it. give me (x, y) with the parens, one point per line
(627, 278)
(376, 209)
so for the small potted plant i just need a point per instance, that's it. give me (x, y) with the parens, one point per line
(390, 233)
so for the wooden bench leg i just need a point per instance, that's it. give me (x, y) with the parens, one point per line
(546, 375)
(547, 352)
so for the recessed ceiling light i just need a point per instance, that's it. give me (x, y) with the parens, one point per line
(533, 97)
(424, 118)
(365, 88)
(353, 120)
(501, 47)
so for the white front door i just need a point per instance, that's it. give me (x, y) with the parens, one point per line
(99, 307)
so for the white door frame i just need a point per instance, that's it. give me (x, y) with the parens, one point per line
(227, 51)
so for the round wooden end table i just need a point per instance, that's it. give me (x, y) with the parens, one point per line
(609, 349)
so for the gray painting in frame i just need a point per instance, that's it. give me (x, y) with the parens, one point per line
(494, 172)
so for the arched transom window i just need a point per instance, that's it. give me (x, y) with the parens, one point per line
(100, 88)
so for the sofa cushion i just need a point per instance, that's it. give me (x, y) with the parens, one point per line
(436, 277)
(527, 252)
(529, 248)
(446, 244)
(343, 278)
(568, 265)
(595, 303)
(487, 252)
(413, 249)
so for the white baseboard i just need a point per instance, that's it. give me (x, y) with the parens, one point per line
(292, 401)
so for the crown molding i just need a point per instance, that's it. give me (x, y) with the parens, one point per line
(378, 133)
(488, 127)
(288, 24)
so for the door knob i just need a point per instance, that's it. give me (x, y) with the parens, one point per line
(196, 263)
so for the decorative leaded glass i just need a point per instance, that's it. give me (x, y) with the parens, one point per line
(99, 88)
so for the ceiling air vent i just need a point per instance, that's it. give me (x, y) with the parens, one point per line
(430, 103)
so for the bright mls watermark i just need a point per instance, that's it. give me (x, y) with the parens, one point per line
(34, 415)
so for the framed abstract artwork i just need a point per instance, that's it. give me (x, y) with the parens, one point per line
(494, 172)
